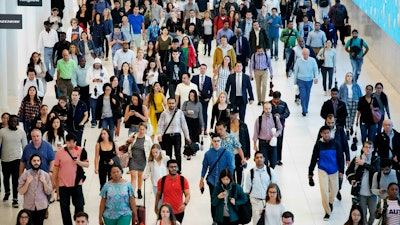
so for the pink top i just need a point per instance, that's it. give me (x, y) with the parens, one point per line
(67, 167)
(35, 197)
(139, 67)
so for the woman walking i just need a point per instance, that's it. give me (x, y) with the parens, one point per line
(328, 54)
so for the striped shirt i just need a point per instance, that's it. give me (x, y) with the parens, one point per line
(260, 62)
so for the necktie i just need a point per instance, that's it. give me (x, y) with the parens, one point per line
(240, 45)
(201, 82)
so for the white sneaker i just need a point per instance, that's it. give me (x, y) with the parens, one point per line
(116, 139)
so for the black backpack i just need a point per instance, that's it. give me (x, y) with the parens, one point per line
(356, 49)
(252, 176)
(323, 3)
(340, 13)
(37, 82)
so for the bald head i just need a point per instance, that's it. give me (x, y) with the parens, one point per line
(387, 126)
(305, 53)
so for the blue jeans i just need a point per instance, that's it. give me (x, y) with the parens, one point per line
(356, 64)
(47, 60)
(305, 90)
(108, 123)
(269, 153)
(288, 51)
(368, 131)
(133, 129)
(379, 129)
(93, 104)
(273, 44)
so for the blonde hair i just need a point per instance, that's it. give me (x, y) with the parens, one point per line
(222, 93)
(109, 14)
(151, 157)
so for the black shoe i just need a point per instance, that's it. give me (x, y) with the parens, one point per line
(326, 217)
(339, 196)
(6, 196)
(348, 134)
(303, 113)
(279, 163)
(331, 206)
(259, 103)
(351, 131)
(15, 203)
(139, 194)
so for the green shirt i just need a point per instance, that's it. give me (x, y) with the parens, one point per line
(292, 35)
(66, 68)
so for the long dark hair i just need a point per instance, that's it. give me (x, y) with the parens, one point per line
(225, 173)
(350, 220)
(31, 63)
(152, 94)
(121, 71)
(152, 59)
(27, 213)
(60, 131)
(196, 99)
(171, 213)
(110, 136)
(140, 101)
(27, 97)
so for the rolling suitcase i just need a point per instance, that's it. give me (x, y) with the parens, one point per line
(141, 209)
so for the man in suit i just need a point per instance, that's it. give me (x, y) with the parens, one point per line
(336, 107)
(192, 19)
(239, 84)
(242, 48)
(204, 85)
(258, 35)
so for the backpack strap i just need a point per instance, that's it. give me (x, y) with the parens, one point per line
(251, 178)
(182, 178)
(162, 184)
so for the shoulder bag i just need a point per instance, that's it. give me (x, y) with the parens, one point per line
(376, 113)
(215, 164)
(162, 144)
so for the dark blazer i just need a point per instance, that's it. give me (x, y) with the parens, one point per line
(207, 87)
(341, 112)
(245, 47)
(263, 42)
(197, 27)
(382, 146)
(246, 87)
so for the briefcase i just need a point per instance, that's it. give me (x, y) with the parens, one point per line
(347, 30)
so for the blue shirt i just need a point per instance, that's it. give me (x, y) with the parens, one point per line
(100, 6)
(136, 23)
(209, 160)
(79, 76)
(273, 31)
(45, 151)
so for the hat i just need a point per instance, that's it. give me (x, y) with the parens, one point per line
(235, 110)
(325, 17)
(97, 61)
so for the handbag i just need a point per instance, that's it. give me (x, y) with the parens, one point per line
(261, 221)
(347, 30)
(244, 211)
(48, 77)
(320, 62)
(376, 113)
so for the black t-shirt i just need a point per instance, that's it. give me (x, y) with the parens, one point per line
(59, 47)
(365, 109)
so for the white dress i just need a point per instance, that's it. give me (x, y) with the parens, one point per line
(273, 214)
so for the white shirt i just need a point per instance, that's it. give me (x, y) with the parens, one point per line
(183, 91)
(29, 83)
(47, 39)
(273, 213)
(121, 57)
(238, 84)
(260, 182)
(257, 32)
(96, 74)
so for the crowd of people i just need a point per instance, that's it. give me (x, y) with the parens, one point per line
(154, 90)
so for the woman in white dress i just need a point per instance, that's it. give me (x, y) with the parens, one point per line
(273, 206)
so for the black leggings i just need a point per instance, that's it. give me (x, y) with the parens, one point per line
(11, 169)
(107, 48)
(207, 43)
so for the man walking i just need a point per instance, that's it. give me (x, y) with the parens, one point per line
(338, 15)
(35, 185)
(288, 37)
(264, 132)
(205, 87)
(316, 38)
(77, 116)
(260, 63)
(171, 189)
(12, 141)
(215, 160)
(174, 71)
(46, 41)
(355, 47)
(336, 107)
(65, 69)
(329, 156)
(172, 121)
(305, 71)
(239, 86)
(281, 111)
(256, 183)
(69, 176)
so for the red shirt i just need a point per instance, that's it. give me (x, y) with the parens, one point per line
(173, 193)
(67, 167)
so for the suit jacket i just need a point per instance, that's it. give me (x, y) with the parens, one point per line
(197, 27)
(263, 42)
(207, 87)
(246, 87)
(246, 52)
(382, 146)
(341, 112)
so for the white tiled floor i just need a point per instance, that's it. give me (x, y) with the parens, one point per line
(300, 134)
